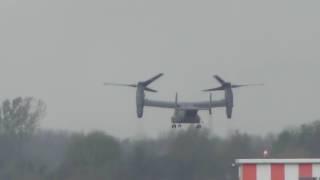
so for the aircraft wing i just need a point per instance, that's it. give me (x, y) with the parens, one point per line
(160, 104)
(205, 105)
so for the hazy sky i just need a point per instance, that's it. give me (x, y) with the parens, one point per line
(63, 50)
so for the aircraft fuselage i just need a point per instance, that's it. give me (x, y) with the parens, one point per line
(185, 116)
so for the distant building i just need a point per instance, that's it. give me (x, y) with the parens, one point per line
(278, 169)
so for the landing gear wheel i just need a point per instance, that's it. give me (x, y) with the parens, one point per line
(174, 126)
(198, 126)
(179, 125)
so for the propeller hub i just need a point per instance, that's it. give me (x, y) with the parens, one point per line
(227, 85)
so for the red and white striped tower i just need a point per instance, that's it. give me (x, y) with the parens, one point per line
(278, 169)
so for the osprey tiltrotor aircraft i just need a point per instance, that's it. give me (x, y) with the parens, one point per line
(184, 112)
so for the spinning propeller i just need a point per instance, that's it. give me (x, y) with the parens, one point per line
(227, 85)
(142, 84)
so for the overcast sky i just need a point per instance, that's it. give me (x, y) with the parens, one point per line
(63, 50)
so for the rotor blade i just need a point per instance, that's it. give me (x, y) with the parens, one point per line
(147, 82)
(218, 78)
(118, 84)
(214, 89)
(245, 85)
(150, 90)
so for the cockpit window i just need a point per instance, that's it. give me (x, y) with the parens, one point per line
(191, 113)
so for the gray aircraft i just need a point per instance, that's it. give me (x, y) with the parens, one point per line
(184, 112)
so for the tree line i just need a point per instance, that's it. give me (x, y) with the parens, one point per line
(29, 153)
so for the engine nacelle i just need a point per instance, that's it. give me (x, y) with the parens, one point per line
(229, 111)
(140, 101)
(229, 102)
